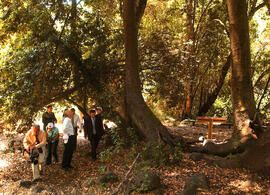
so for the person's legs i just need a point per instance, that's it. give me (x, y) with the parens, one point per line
(70, 149)
(75, 138)
(49, 157)
(54, 150)
(35, 171)
(94, 144)
(41, 159)
(65, 155)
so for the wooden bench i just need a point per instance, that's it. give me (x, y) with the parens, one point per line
(210, 121)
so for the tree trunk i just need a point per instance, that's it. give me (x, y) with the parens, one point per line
(73, 41)
(213, 96)
(244, 106)
(190, 38)
(139, 113)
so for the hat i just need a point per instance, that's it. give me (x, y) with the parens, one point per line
(50, 125)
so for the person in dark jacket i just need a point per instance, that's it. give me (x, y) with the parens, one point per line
(99, 118)
(93, 130)
(48, 117)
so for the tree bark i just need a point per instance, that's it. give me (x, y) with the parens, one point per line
(139, 113)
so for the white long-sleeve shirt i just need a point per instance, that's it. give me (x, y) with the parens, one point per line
(77, 121)
(68, 128)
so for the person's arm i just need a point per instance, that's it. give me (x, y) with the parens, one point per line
(79, 124)
(46, 133)
(54, 119)
(64, 126)
(56, 134)
(26, 143)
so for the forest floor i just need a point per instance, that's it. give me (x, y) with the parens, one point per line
(14, 169)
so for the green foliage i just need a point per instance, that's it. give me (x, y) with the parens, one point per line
(154, 155)
(118, 145)
(177, 155)
(144, 187)
(46, 55)
(132, 138)
(49, 53)
(169, 63)
(102, 169)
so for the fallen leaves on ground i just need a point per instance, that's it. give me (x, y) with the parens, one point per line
(13, 168)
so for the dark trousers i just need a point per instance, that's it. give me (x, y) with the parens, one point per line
(52, 150)
(68, 152)
(94, 144)
(75, 139)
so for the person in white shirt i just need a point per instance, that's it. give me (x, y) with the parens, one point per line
(76, 122)
(68, 130)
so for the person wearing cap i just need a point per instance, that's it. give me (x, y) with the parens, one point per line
(76, 122)
(52, 135)
(48, 117)
(68, 137)
(34, 143)
(93, 130)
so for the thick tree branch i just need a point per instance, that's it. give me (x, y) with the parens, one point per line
(60, 96)
(140, 10)
(223, 25)
(79, 107)
(213, 96)
(254, 9)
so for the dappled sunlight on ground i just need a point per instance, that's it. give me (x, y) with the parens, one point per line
(3, 145)
(244, 185)
(3, 163)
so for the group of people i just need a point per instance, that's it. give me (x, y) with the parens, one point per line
(41, 145)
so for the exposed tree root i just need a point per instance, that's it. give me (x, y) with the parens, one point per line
(248, 153)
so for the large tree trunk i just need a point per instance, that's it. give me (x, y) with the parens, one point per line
(139, 113)
(244, 106)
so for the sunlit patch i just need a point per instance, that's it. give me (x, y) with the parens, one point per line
(3, 146)
(3, 163)
(245, 185)
(111, 124)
